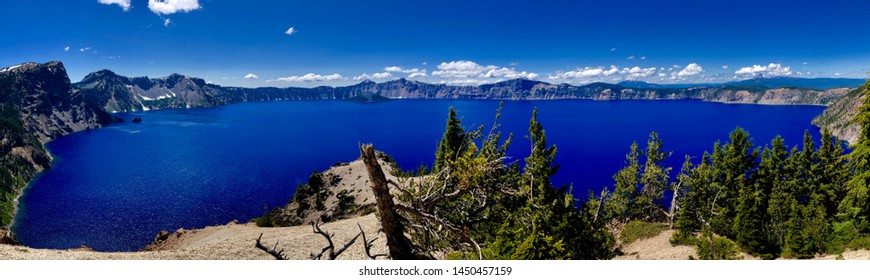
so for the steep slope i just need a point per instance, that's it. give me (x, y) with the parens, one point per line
(37, 103)
(837, 117)
(812, 83)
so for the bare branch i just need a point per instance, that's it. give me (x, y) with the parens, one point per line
(278, 255)
(330, 248)
(367, 244)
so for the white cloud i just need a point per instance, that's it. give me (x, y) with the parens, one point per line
(643, 58)
(311, 77)
(459, 69)
(637, 72)
(403, 70)
(84, 49)
(251, 76)
(412, 73)
(166, 22)
(66, 49)
(124, 4)
(587, 72)
(470, 69)
(630, 57)
(691, 69)
(676, 66)
(508, 73)
(166, 7)
(384, 75)
(613, 49)
(724, 66)
(290, 31)
(773, 69)
(393, 69)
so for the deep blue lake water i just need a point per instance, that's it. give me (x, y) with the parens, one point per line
(114, 188)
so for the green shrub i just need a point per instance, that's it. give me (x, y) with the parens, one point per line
(681, 239)
(841, 237)
(862, 242)
(716, 248)
(367, 210)
(637, 230)
(460, 256)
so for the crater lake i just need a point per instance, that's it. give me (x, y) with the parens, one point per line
(115, 188)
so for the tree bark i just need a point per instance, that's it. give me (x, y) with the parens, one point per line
(672, 213)
(397, 243)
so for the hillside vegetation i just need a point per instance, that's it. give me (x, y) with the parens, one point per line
(838, 116)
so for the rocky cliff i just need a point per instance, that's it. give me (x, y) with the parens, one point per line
(119, 93)
(37, 103)
(838, 116)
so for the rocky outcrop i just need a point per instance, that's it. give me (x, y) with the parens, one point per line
(838, 116)
(7, 237)
(37, 104)
(341, 192)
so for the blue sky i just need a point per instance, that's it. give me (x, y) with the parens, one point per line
(446, 41)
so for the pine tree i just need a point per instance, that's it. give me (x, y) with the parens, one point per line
(732, 164)
(775, 170)
(654, 180)
(540, 164)
(451, 143)
(548, 225)
(690, 200)
(751, 223)
(830, 173)
(621, 205)
(856, 204)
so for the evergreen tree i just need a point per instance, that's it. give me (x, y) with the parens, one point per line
(831, 173)
(451, 143)
(690, 200)
(732, 164)
(654, 180)
(856, 204)
(621, 205)
(540, 164)
(752, 221)
(549, 225)
(776, 171)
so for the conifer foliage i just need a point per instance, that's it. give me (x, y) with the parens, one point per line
(477, 204)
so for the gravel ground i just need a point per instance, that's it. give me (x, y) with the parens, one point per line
(228, 242)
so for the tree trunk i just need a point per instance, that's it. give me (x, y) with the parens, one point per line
(397, 243)
(672, 213)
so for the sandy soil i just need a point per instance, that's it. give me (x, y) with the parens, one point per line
(233, 241)
(660, 248)
(657, 248)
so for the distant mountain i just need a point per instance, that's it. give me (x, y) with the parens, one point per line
(118, 93)
(37, 103)
(811, 83)
(838, 116)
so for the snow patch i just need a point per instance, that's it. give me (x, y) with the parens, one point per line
(10, 68)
